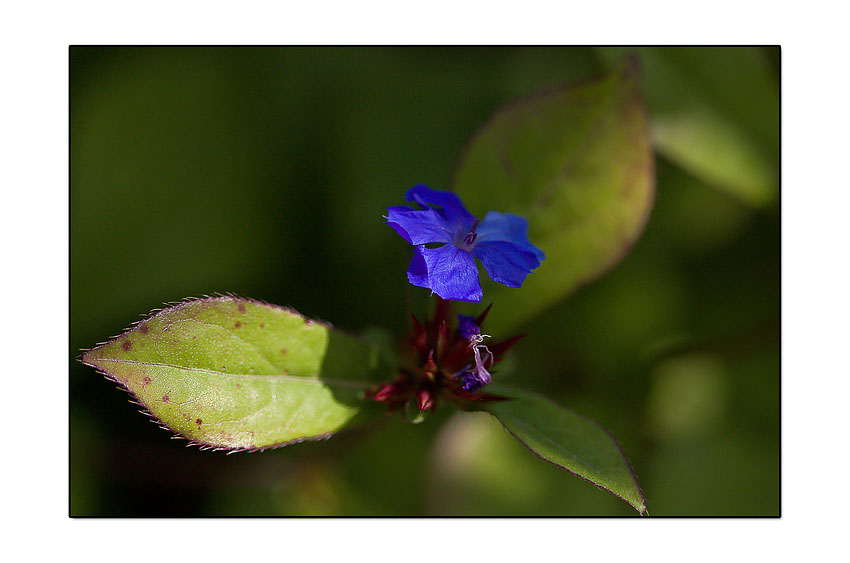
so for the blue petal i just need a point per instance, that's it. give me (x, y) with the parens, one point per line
(418, 227)
(447, 271)
(469, 382)
(506, 262)
(457, 217)
(509, 228)
(466, 326)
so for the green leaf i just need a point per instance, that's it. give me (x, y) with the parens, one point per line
(235, 373)
(567, 440)
(715, 113)
(577, 163)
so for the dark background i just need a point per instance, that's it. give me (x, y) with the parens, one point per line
(265, 172)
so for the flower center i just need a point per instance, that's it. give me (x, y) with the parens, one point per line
(469, 239)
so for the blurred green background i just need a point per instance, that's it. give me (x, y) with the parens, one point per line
(265, 172)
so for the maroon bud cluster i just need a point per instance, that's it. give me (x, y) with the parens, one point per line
(438, 356)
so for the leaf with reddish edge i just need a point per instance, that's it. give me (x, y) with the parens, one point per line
(237, 374)
(715, 113)
(567, 440)
(577, 163)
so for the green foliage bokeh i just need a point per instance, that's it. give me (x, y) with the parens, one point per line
(265, 172)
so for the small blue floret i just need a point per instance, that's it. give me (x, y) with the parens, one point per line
(499, 241)
(466, 326)
(469, 382)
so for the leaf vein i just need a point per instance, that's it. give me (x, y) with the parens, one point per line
(299, 378)
(256, 348)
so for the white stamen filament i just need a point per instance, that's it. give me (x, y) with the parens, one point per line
(480, 368)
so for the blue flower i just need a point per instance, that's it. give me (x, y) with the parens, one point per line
(499, 241)
(477, 376)
(466, 326)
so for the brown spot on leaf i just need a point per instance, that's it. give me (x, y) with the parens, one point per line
(237, 324)
(239, 386)
(198, 422)
(146, 380)
(186, 416)
(165, 398)
(144, 329)
(262, 325)
(283, 351)
(241, 307)
(126, 345)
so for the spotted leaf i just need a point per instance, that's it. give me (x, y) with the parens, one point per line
(234, 373)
